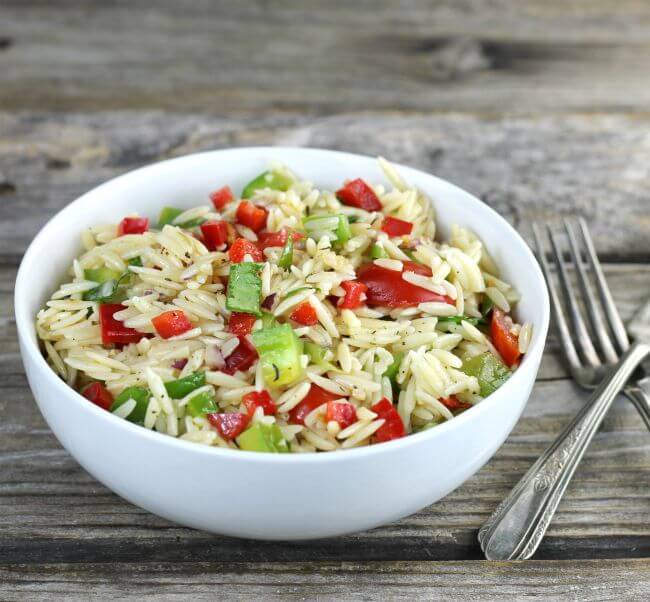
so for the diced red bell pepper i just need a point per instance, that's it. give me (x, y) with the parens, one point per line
(452, 403)
(251, 216)
(220, 198)
(229, 426)
(417, 268)
(304, 314)
(99, 395)
(171, 323)
(394, 226)
(241, 323)
(272, 239)
(133, 225)
(393, 428)
(259, 399)
(388, 288)
(277, 239)
(242, 247)
(242, 358)
(114, 331)
(316, 397)
(354, 294)
(358, 194)
(215, 234)
(342, 412)
(506, 342)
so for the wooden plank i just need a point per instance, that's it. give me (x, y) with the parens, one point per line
(237, 56)
(527, 168)
(604, 514)
(586, 580)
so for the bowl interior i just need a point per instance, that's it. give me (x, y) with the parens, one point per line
(187, 181)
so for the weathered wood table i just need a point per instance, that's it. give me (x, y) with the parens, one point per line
(538, 107)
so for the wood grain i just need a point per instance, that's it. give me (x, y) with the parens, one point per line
(527, 168)
(603, 515)
(326, 57)
(581, 580)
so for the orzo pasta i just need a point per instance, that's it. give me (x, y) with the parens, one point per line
(291, 319)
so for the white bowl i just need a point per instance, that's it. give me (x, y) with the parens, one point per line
(259, 495)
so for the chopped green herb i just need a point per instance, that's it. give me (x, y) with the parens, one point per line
(459, 319)
(110, 282)
(286, 258)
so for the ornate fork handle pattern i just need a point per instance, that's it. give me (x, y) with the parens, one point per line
(518, 525)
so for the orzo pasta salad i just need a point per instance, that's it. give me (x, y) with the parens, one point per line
(288, 319)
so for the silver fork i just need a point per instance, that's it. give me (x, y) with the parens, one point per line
(517, 526)
(590, 373)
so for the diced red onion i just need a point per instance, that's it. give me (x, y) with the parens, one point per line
(268, 302)
(180, 364)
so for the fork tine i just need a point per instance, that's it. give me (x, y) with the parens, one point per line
(585, 346)
(595, 317)
(615, 322)
(565, 336)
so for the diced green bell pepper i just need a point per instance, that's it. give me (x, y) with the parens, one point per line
(268, 320)
(486, 306)
(201, 404)
(169, 214)
(343, 232)
(336, 227)
(286, 258)
(274, 180)
(490, 371)
(244, 288)
(179, 388)
(101, 275)
(295, 291)
(426, 426)
(279, 349)
(393, 369)
(316, 355)
(263, 438)
(377, 252)
(141, 396)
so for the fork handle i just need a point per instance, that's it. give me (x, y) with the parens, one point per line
(517, 526)
(641, 400)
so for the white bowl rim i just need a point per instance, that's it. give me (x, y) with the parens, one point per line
(25, 322)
